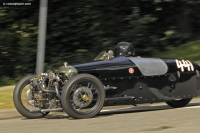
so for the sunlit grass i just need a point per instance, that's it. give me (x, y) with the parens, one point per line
(6, 97)
(6, 100)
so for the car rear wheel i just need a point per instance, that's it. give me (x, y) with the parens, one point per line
(179, 103)
(83, 96)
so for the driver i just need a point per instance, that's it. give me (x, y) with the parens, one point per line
(124, 49)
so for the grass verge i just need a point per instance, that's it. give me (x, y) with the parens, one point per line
(6, 100)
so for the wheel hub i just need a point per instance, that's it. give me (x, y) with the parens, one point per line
(28, 98)
(82, 97)
(85, 97)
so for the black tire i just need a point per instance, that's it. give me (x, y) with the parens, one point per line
(179, 103)
(18, 101)
(67, 94)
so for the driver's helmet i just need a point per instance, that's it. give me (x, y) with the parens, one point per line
(124, 49)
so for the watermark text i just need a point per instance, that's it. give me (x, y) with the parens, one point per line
(16, 4)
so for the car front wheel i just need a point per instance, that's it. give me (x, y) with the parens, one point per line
(83, 96)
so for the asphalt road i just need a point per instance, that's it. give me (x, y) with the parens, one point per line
(141, 119)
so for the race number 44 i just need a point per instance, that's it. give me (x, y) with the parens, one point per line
(184, 64)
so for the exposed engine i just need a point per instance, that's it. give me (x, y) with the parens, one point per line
(45, 88)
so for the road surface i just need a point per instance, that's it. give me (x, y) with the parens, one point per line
(154, 118)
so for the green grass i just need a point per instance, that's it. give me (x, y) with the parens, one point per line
(6, 99)
(189, 51)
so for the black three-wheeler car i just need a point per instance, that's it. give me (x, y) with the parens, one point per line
(82, 90)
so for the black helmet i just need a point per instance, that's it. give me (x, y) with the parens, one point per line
(124, 49)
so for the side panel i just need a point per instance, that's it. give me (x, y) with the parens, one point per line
(153, 89)
(175, 84)
(198, 83)
(178, 82)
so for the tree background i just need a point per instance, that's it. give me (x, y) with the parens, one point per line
(78, 30)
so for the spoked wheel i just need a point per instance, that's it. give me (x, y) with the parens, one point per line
(23, 100)
(83, 96)
(179, 103)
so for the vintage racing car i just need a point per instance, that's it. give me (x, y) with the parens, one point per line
(82, 90)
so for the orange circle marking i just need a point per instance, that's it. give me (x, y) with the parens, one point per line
(131, 70)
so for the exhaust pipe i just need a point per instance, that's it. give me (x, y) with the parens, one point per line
(46, 110)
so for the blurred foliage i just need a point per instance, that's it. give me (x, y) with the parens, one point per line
(188, 51)
(78, 30)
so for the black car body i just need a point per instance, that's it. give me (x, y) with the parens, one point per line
(152, 79)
